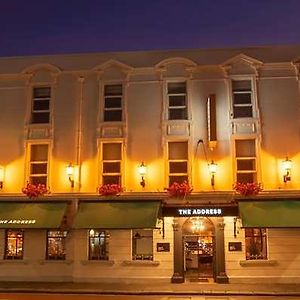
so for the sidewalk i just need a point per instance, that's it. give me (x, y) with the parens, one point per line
(162, 288)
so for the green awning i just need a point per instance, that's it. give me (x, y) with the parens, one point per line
(31, 215)
(117, 215)
(283, 213)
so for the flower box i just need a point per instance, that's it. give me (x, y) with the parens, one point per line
(35, 190)
(110, 189)
(179, 190)
(248, 188)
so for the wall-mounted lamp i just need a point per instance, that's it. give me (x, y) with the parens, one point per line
(1, 177)
(70, 174)
(212, 169)
(142, 172)
(287, 166)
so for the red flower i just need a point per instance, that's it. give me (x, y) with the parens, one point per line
(248, 188)
(179, 189)
(35, 190)
(110, 189)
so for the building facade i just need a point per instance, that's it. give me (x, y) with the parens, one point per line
(151, 165)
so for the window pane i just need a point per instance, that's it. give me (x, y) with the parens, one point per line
(107, 179)
(177, 114)
(244, 98)
(113, 102)
(40, 118)
(98, 245)
(177, 101)
(112, 151)
(14, 244)
(39, 153)
(178, 179)
(242, 112)
(256, 243)
(246, 164)
(41, 105)
(56, 245)
(42, 92)
(38, 169)
(177, 88)
(246, 177)
(142, 244)
(113, 89)
(245, 148)
(178, 167)
(112, 115)
(38, 180)
(178, 150)
(241, 85)
(109, 167)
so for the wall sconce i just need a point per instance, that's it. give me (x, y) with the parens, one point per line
(1, 177)
(287, 166)
(212, 169)
(142, 172)
(70, 173)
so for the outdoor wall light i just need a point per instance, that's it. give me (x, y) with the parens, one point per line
(70, 174)
(287, 166)
(212, 169)
(142, 172)
(1, 177)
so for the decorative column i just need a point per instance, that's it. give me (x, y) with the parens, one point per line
(220, 271)
(178, 276)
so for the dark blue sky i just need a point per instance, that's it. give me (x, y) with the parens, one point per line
(29, 27)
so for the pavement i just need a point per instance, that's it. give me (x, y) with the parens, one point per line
(152, 288)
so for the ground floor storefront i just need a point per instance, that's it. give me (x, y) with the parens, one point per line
(126, 240)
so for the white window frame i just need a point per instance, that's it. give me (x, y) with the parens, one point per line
(33, 99)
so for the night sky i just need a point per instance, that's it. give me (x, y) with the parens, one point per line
(34, 27)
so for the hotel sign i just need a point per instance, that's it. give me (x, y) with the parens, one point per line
(200, 211)
(17, 221)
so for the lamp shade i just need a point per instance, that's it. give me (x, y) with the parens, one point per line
(142, 169)
(287, 164)
(70, 170)
(212, 167)
(1, 173)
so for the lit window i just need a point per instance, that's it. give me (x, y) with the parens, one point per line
(242, 99)
(40, 112)
(98, 245)
(177, 98)
(113, 102)
(56, 245)
(14, 243)
(142, 244)
(178, 162)
(245, 161)
(38, 169)
(256, 243)
(111, 163)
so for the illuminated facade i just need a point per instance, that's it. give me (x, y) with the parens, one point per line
(136, 123)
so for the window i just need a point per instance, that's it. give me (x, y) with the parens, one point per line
(111, 163)
(178, 162)
(56, 245)
(40, 112)
(177, 98)
(245, 161)
(38, 168)
(98, 245)
(256, 243)
(14, 243)
(142, 244)
(242, 98)
(113, 94)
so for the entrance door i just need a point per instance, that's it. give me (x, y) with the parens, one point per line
(198, 238)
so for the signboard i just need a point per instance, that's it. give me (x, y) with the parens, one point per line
(235, 246)
(200, 211)
(17, 221)
(163, 247)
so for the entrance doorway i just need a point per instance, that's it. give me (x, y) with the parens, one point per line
(199, 249)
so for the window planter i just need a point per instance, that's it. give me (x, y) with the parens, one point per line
(35, 190)
(110, 189)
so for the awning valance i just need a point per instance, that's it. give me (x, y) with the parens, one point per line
(270, 213)
(117, 215)
(31, 215)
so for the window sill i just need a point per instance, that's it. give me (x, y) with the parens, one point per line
(14, 261)
(55, 261)
(257, 262)
(140, 263)
(97, 262)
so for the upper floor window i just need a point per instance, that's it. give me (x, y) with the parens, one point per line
(245, 154)
(242, 99)
(177, 101)
(256, 243)
(111, 163)
(14, 243)
(178, 162)
(56, 245)
(113, 95)
(98, 244)
(40, 112)
(142, 244)
(38, 164)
